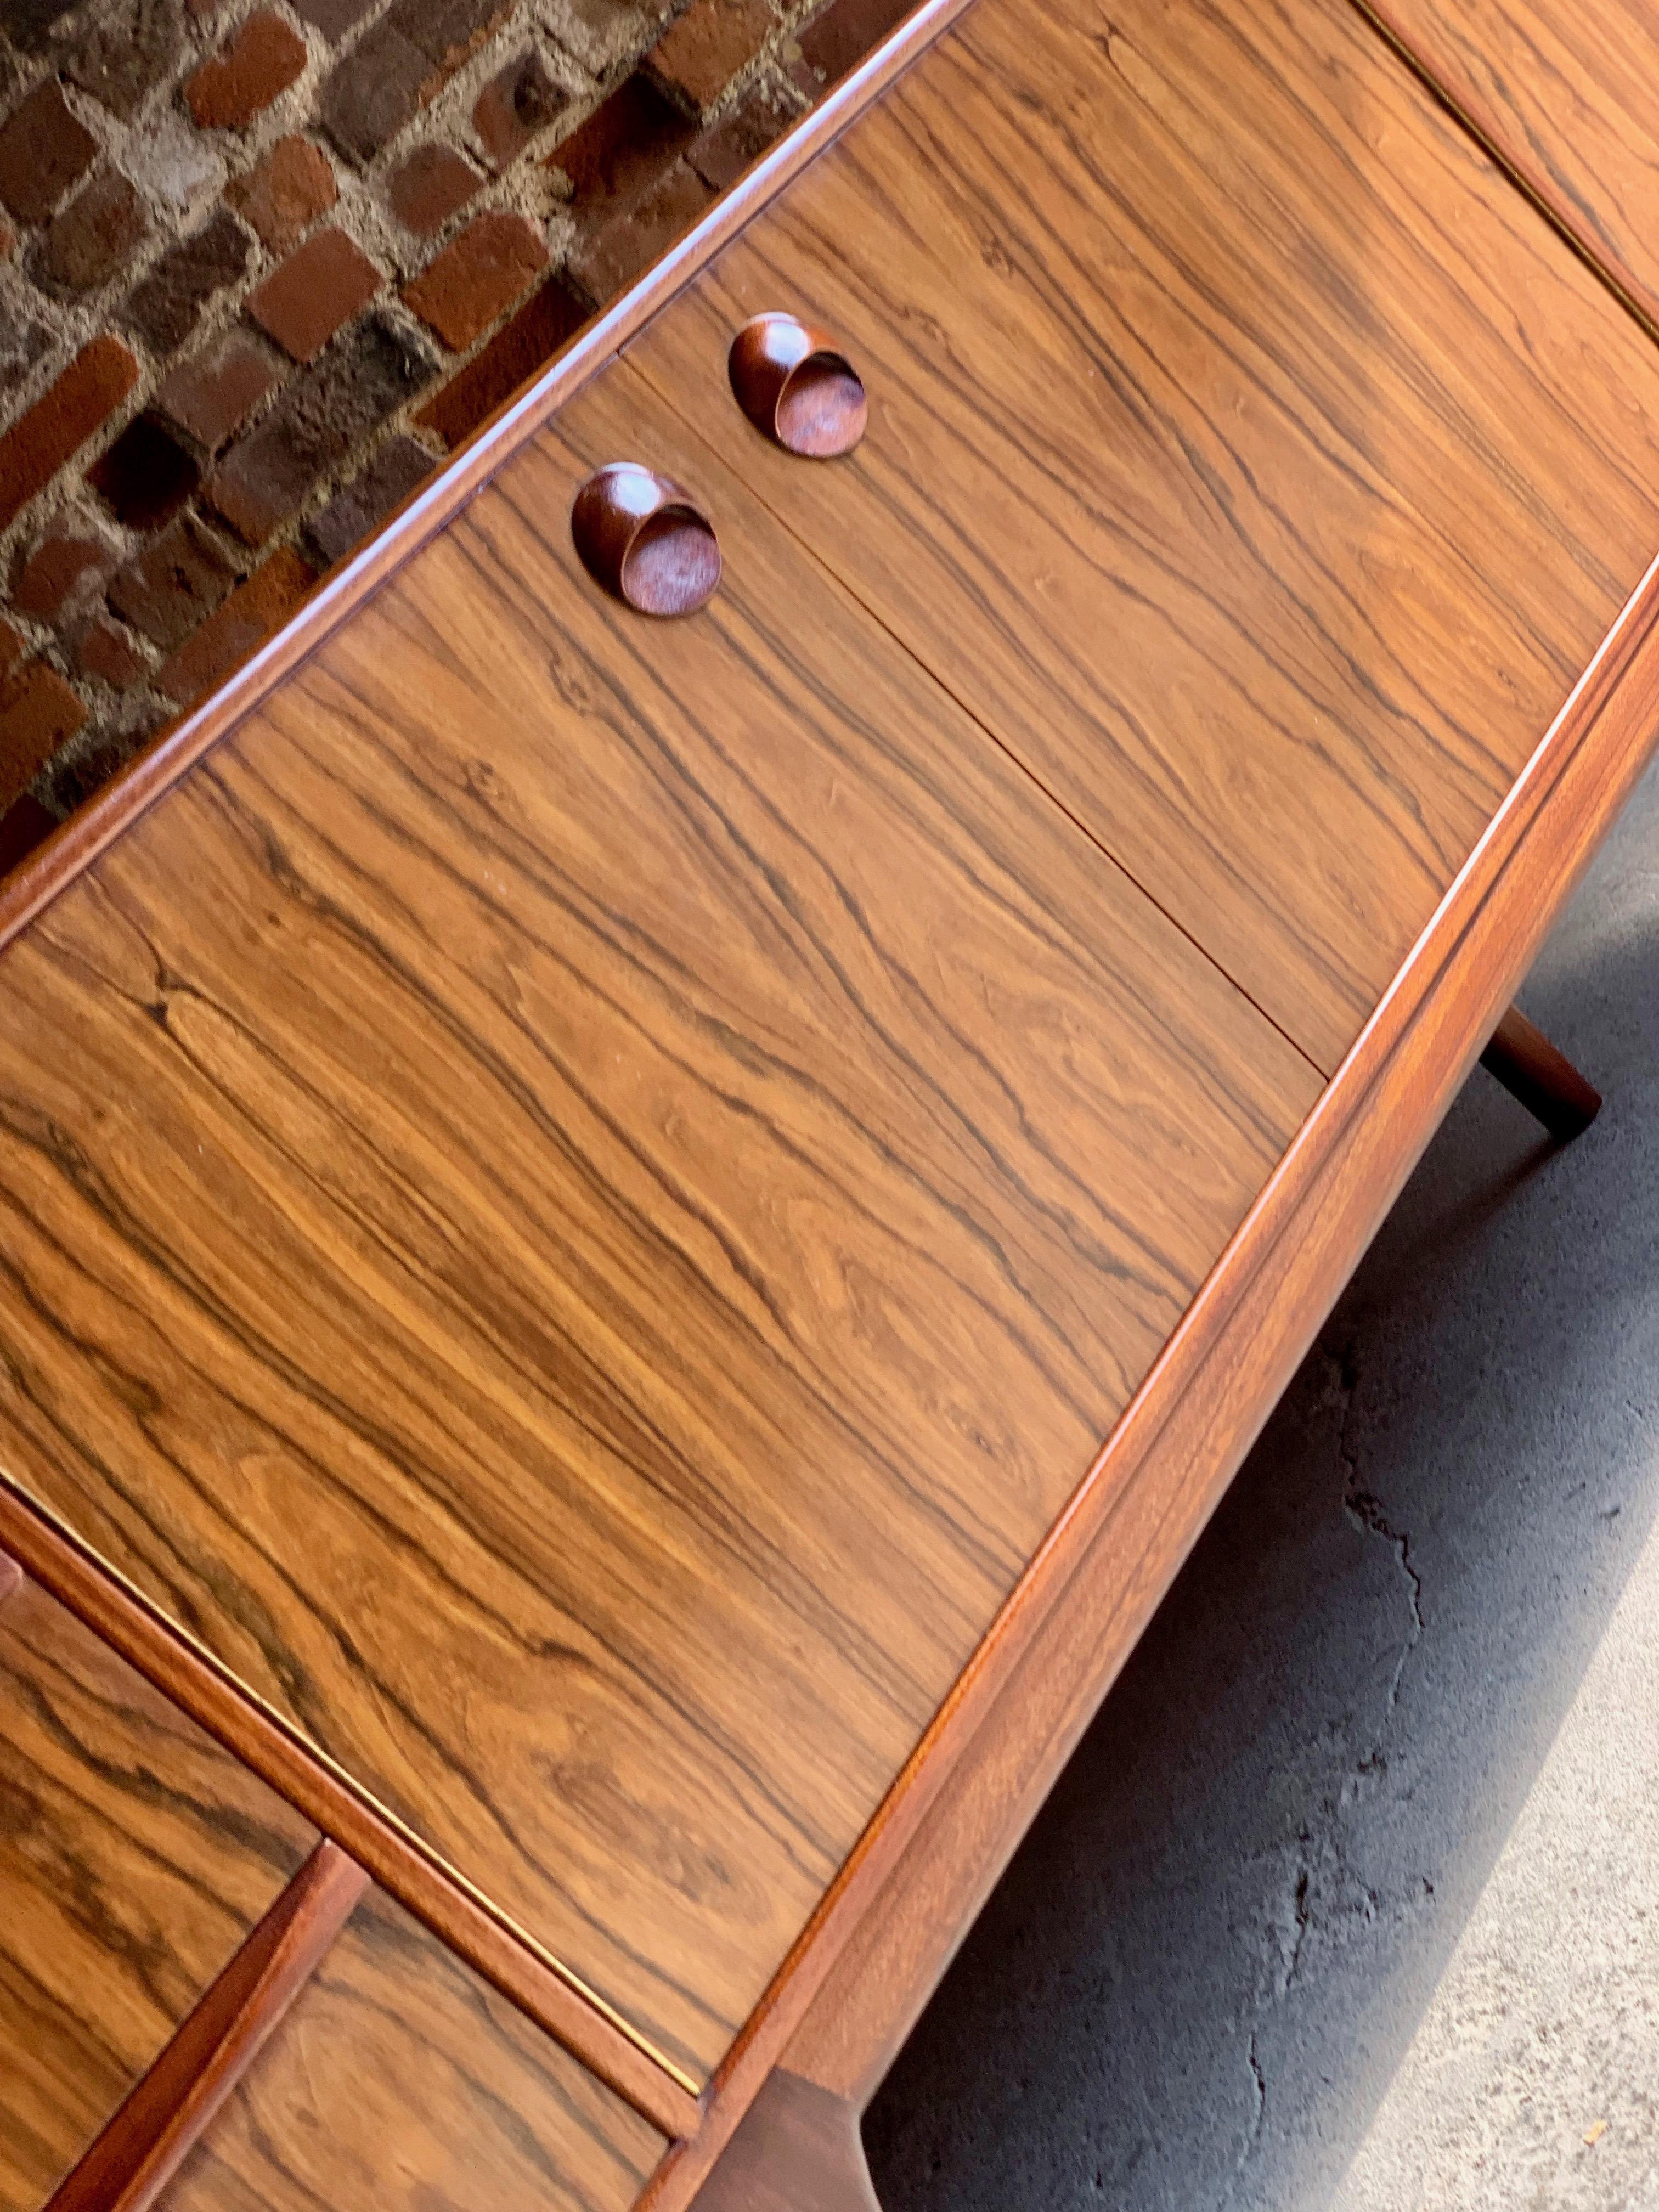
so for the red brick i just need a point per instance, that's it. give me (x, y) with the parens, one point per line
(23, 827)
(129, 47)
(247, 619)
(630, 241)
(471, 281)
(372, 93)
(65, 564)
(95, 236)
(12, 647)
(37, 446)
(286, 193)
(168, 591)
(318, 419)
(702, 51)
(211, 398)
(366, 501)
(37, 712)
(737, 142)
(434, 184)
(264, 58)
(105, 650)
(449, 31)
(43, 149)
(522, 346)
(316, 290)
(623, 147)
(165, 308)
(842, 34)
(516, 107)
(145, 476)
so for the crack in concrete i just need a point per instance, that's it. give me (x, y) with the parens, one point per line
(1366, 1511)
(1368, 1515)
(1248, 2149)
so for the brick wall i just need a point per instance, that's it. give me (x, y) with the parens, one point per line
(263, 266)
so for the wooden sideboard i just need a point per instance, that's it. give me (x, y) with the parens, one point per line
(635, 1249)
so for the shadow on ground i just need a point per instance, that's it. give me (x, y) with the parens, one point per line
(1194, 1984)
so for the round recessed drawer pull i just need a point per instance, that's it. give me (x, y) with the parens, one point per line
(797, 386)
(646, 541)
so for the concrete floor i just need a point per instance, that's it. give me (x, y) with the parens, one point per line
(1349, 1900)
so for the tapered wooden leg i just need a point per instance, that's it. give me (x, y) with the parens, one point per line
(796, 2150)
(1544, 1080)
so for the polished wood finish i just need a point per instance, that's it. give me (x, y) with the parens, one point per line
(644, 539)
(167, 2110)
(1546, 1082)
(796, 2150)
(840, 2009)
(1204, 465)
(589, 1189)
(188, 1675)
(400, 2081)
(953, 1802)
(1565, 93)
(153, 771)
(133, 1856)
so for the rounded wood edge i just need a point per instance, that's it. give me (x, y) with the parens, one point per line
(38, 880)
(435, 1893)
(1427, 1039)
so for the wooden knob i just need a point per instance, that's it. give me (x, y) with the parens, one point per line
(646, 541)
(797, 386)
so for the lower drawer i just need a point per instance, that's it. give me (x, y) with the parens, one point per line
(401, 2082)
(204, 2006)
(134, 1856)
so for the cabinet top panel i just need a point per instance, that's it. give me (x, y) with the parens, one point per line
(1244, 451)
(581, 1194)
(588, 1188)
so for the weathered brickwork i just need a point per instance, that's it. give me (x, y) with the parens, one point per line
(264, 263)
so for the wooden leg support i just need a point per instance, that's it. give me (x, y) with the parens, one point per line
(798, 2149)
(1544, 1080)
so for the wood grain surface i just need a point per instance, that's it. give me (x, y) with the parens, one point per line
(1244, 451)
(1566, 94)
(462, 1920)
(133, 1856)
(400, 2081)
(837, 2015)
(170, 2107)
(580, 1198)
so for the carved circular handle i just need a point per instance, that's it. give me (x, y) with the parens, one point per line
(797, 386)
(646, 541)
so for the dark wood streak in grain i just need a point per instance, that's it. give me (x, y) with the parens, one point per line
(1562, 91)
(400, 2080)
(134, 1856)
(720, 1148)
(1241, 452)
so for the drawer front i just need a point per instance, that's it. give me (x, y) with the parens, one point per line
(1242, 450)
(638, 1162)
(1567, 92)
(400, 2080)
(134, 1856)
